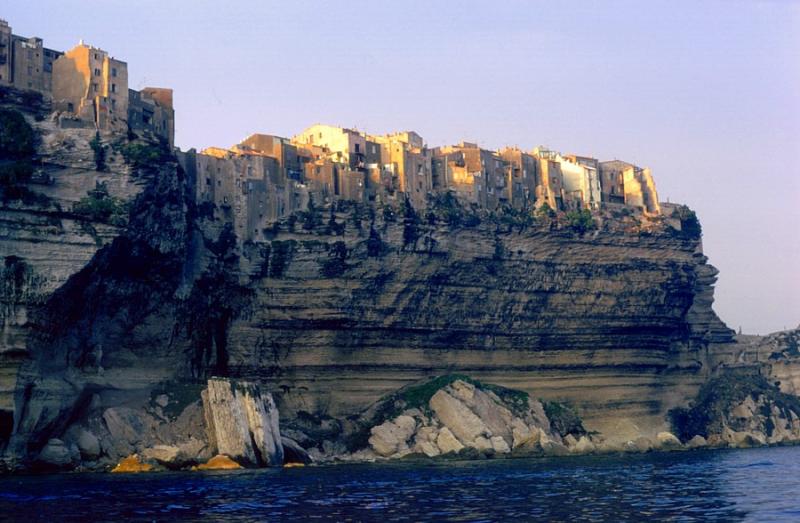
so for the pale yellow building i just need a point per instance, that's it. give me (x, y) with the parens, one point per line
(405, 167)
(92, 86)
(628, 184)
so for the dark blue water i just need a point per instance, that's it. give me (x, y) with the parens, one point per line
(752, 485)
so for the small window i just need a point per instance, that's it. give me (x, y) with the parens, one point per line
(70, 107)
(96, 72)
(113, 88)
(96, 88)
(114, 72)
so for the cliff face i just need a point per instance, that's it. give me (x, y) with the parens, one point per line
(604, 320)
(616, 322)
(43, 243)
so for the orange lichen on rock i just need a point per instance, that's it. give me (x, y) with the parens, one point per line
(293, 464)
(132, 464)
(218, 462)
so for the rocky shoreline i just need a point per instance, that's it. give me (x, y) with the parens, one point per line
(235, 425)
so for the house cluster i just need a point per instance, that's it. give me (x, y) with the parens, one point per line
(266, 177)
(86, 86)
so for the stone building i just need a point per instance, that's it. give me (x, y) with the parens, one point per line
(550, 189)
(476, 176)
(150, 111)
(581, 181)
(521, 177)
(628, 184)
(92, 86)
(24, 62)
(405, 167)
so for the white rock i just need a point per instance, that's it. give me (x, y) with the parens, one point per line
(457, 417)
(447, 442)
(482, 443)
(697, 442)
(389, 437)
(88, 444)
(55, 454)
(499, 445)
(242, 422)
(164, 454)
(667, 440)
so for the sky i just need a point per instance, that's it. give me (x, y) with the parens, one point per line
(706, 94)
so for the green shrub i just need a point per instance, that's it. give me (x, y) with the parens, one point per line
(581, 221)
(99, 206)
(335, 265)
(690, 225)
(145, 156)
(564, 419)
(99, 152)
(17, 137)
(718, 397)
(280, 256)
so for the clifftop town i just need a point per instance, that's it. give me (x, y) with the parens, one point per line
(267, 177)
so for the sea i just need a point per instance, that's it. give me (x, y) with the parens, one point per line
(721, 485)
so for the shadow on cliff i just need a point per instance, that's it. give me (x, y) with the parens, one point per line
(154, 305)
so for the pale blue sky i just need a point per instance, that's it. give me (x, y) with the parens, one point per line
(707, 94)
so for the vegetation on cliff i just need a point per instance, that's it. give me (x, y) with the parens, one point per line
(708, 413)
(17, 151)
(99, 206)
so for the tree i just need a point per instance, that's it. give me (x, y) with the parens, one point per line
(335, 264)
(410, 225)
(312, 216)
(374, 243)
(99, 152)
(335, 227)
(581, 221)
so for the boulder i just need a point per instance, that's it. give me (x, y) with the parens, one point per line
(457, 417)
(55, 454)
(696, 442)
(88, 444)
(668, 441)
(390, 437)
(428, 448)
(293, 452)
(242, 422)
(521, 433)
(482, 443)
(166, 455)
(500, 445)
(447, 442)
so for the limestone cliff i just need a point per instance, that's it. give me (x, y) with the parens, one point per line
(619, 324)
(329, 317)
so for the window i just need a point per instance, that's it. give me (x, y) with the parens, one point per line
(114, 72)
(113, 88)
(70, 107)
(96, 71)
(113, 103)
(95, 56)
(95, 87)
